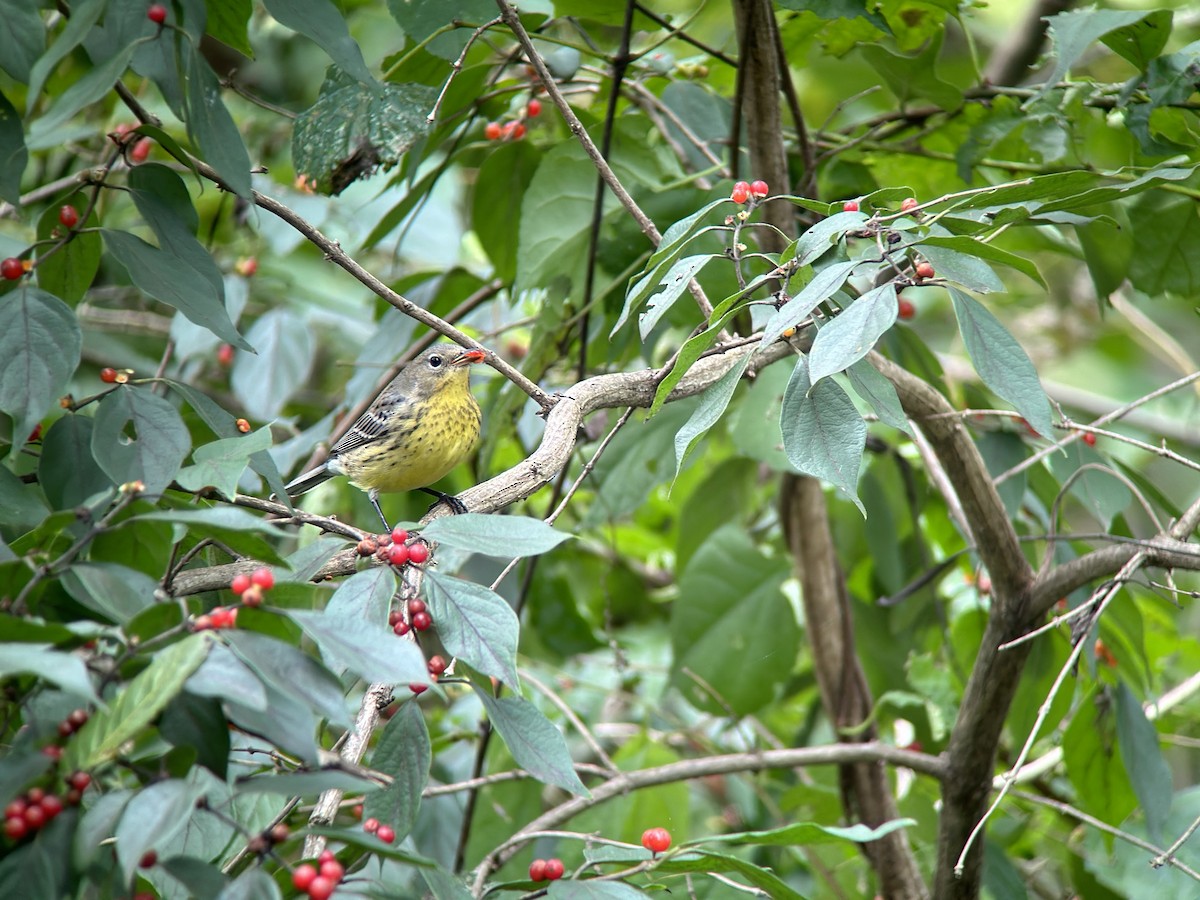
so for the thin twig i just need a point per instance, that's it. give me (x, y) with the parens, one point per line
(456, 67)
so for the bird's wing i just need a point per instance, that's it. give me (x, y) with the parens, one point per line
(370, 426)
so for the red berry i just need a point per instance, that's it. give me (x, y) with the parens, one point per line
(398, 554)
(51, 805)
(68, 216)
(367, 547)
(321, 888)
(925, 270)
(74, 797)
(492, 131)
(35, 817)
(418, 689)
(513, 131)
(240, 583)
(15, 828)
(108, 375)
(157, 13)
(370, 826)
(141, 150)
(12, 268)
(759, 188)
(333, 870)
(554, 869)
(303, 876)
(418, 553)
(253, 596)
(399, 535)
(537, 870)
(740, 193)
(395, 617)
(533, 109)
(202, 623)
(329, 855)
(1089, 439)
(905, 308)
(149, 859)
(280, 833)
(656, 840)
(850, 206)
(65, 728)
(35, 795)
(15, 809)
(386, 833)
(225, 354)
(223, 617)
(415, 606)
(78, 718)
(422, 621)
(909, 204)
(264, 578)
(401, 628)
(246, 266)
(53, 751)
(436, 665)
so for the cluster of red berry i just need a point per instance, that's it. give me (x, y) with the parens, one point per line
(385, 833)
(319, 881)
(395, 548)
(546, 870)
(923, 270)
(514, 130)
(418, 619)
(67, 727)
(37, 806)
(251, 588)
(744, 191)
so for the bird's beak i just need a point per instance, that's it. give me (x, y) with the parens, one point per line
(467, 357)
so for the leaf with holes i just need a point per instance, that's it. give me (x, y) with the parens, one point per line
(139, 436)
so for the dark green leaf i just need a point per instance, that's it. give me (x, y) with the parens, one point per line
(713, 403)
(65, 670)
(40, 343)
(701, 860)
(305, 784)
(879, 392)
(164, 202)
(265, 381)
(969, 271)
(404, 752)
(1102, 494)
(252, 884)
(370, 650)
(729, 596)
(823, 286)
(1072, 34)
(287, 722)
(476, 625)
(593, 889)
(115, 591)
(504, 537)
(673, 283)
(228, 21)
(500, 188)
(823, 434)
(533, 740)
(152, 818)
(13, 155)
(169, 279)
(67, 270)
(213, 128)
(1141, 41)
(913, 77)
(421, 21)
(136, 706)
(323, 24)
(366, 596)
(197, 722)
(1144, 763)
(223, 675)
(87, 90)
(1166, 245)
(853, 332)
(21, 505)
(83, 16)
(353, 129)
(1094, 765)
(139, 436)
(286, 669)
(203, 881)
(1001, 362)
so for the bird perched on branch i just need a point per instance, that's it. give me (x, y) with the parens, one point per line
(419, 428)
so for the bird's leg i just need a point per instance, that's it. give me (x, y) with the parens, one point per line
(373, 496)
(456, 506)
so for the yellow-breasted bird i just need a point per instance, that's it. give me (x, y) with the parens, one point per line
(419, 428)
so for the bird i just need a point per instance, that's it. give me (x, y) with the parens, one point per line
(421, 426)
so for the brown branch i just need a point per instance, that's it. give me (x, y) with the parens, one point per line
(1011, 60)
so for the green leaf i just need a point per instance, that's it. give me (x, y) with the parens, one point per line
(139, 436)
(220, 464)
(968, 270)
(534, 742)
(1001, 362)
(1144, 763)
(802, 834)
(1141, 41)
(713, 403)
(136, 706)
(323, 23)
(476, 625)
(593, 889)
(731, 626)
(13, 155)
(227, 23)
(504, 537)
(879, 392)
(823, 286)
(223, 675)
(67, 471)
(67, 270)
(823, 434)
(674, 282)
(700, 860)
(1166, 240)
(83, 16)
(371, 651)
(971, 247)
(1101, 493)
(305, 784)
(152, 818)
(405, 753)
(352, 129)
(40, 343)
(197, 723)
(212, 127)
(1072, 34)
(499, 189)
(21, 504)
(286, 669)
(817, 240)
(163, 200)
(92, 86)
(853, 332)
(252, 884)
(912, 77)
(65, 670)
(422, 20)
(170, 279)
(364, 595)
(117, 592)
(1094, 765)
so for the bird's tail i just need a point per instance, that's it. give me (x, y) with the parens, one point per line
(308, 481)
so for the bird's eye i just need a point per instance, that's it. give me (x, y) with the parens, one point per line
(435, 362)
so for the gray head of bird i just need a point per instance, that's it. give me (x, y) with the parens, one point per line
(440, 367)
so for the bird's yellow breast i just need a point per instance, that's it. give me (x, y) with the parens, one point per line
(423, 443)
